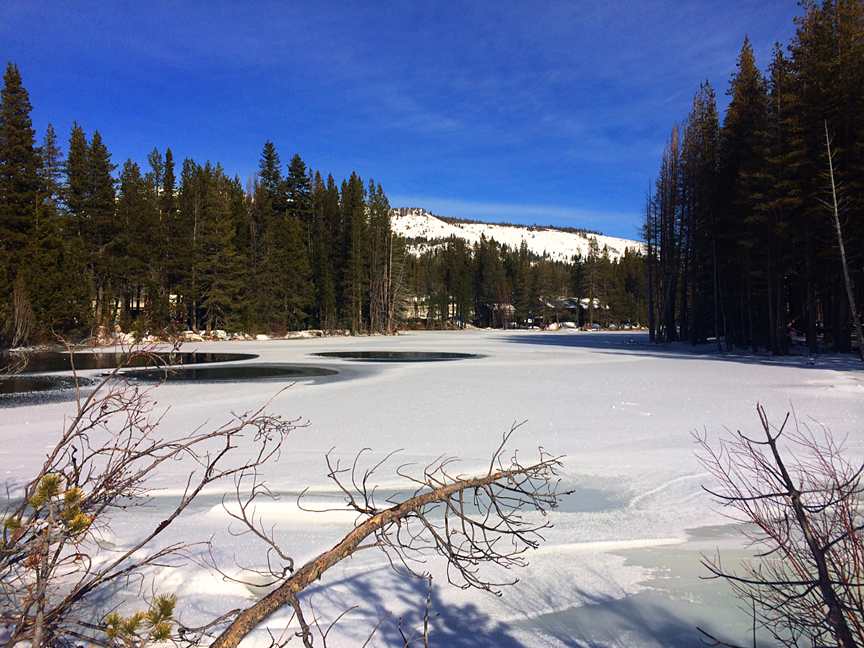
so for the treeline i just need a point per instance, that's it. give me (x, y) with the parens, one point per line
(531, 228)
(491, 285)
(741, 245)
(166, 248)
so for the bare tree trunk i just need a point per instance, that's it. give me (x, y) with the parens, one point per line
(782, 336)
(396, 290)
(835, 212)
(23, 320)
(652, 335)
(716, 295)
(812, 343)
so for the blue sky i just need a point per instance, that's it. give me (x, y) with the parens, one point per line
(533, 112)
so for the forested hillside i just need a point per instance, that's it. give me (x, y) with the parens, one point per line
(742, 244)
(90, 248)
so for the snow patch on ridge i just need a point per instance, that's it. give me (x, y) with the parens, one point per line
(426, 231)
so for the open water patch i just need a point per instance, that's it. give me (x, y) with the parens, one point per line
(231, 373)
(398, 356)
(17, 390)
(25, 384)
(61, 361)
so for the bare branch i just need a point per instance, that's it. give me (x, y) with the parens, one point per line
(804, 516)
(467, 532)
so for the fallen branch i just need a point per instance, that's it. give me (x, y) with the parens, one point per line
(477, 514)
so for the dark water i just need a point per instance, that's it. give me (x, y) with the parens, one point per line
(231, 373)
(52, 361)
(397, 356)
(24, 384)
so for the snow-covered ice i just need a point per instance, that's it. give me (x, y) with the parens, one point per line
(620, 567)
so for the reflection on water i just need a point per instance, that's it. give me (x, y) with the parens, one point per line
(397, 356)
(49, 361)
(231, 373)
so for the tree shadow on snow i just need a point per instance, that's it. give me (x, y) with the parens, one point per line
(597, 623)
(391, 602)
(637, 343)
(634, 620)
(398, 602)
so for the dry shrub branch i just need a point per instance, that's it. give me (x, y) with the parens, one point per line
(52, 560)
(800, 507)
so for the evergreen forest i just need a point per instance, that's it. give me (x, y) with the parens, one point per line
(492, 285)
(90, 248)
(742, 245)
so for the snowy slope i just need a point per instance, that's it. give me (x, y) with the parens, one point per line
(427, 230)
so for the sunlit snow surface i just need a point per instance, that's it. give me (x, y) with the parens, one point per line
(621, 565)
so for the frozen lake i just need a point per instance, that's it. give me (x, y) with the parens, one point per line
(621, 565)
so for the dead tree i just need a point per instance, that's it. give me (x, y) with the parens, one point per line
(23, 322)
(802, 514)
(469, 521)
(835, 213)
(51, 560)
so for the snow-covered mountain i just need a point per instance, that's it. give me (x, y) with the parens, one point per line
(425, 230)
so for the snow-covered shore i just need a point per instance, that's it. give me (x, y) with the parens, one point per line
(620, 567)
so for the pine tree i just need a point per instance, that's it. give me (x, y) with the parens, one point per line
(325, 261)
(298, 192)
(380, 260)
(490, 283)
(19, 186)
(169, 187)
(782, 204)
(56, 279)
(220, 272)
(283, 277)
(268, 219)
(742, 164)
(355, 273)
(52, 165)
(698, 199)
(258, 214)
(19, 166)
(138, 240)
(187, 261)
(270, 177)
(665, 236)
(101, 230)
(298, 288)
(77, 183)
(827, 65)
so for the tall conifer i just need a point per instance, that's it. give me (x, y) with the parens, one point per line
(19, 197)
